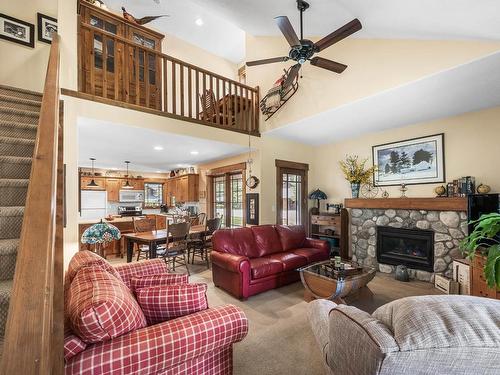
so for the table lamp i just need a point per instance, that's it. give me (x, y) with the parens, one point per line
(99, 234)
(318, 195)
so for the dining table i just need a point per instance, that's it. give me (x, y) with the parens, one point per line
(154, 238)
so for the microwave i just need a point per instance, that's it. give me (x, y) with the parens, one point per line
(131, 196)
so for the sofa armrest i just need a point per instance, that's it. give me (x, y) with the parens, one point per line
(318, 244)
(157, 348)
(143, 268)
(229, 262)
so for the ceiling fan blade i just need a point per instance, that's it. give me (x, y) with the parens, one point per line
(339, 34)
(292, 74)
(287, 29)
(267, 61)
(328, 64)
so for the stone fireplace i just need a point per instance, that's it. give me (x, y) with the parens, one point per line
(440, 229)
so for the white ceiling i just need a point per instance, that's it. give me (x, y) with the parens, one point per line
(465, 88)
(217, 34)
(416, 19)
(111, 144)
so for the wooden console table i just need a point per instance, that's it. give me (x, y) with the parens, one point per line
(338, 221)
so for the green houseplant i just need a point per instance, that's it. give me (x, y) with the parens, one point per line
(355, 172)
(483, 239)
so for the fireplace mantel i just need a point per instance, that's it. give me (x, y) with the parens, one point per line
(430, 204)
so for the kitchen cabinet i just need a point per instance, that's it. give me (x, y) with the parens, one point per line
(113, 186)
(100, 181)
(184, 188)
(136, 183)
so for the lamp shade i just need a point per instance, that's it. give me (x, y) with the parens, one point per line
(318, 194)
(100, 233)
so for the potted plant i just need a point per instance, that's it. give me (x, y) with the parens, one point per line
(485, 239)
(355, 172)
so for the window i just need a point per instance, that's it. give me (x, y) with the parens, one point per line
(236, 200)
(291, 193)
(219, 198)
(153, 194)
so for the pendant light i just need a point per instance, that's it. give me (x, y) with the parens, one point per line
(127, 183)
(92, 182)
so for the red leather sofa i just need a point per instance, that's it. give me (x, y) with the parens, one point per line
(248, 261)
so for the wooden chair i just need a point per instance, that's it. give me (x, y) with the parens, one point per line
(201, 218)
(210, 109)
(201, 246)
(177, 245)
(147, 224)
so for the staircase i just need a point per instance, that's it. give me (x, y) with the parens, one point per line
(19, 114)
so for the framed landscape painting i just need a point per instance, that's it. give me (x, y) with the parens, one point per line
(414, 161)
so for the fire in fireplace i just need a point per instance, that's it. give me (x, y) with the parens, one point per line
(413, 248)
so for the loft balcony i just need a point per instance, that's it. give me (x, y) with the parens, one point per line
(121, 63)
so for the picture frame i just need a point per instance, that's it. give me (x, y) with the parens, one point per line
(411, 162)
(17, 31)
(45, 25)
(252, 208)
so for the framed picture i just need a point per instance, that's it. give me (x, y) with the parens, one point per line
(414, 161)
(46, 25)
(17, 31)
(252, 204)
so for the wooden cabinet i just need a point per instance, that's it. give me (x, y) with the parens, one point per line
(182, 189)
(137, 184)
(113, 186)
(100, 181)
(333, 228)
(479, 287)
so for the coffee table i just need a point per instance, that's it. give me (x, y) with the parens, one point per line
(320, 281)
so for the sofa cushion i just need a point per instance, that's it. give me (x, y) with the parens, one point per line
(146, 281)
(312, 254)
(291, 237)
(100, 307)
(238, 241)
(164, 302)
(267, 239)
(290, 260)
(427, 322)
(72, 346)
(87, 258)
(262, 267)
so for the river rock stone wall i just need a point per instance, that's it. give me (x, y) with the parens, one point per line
(449, 228)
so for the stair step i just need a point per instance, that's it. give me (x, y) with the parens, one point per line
(20, 93)
(11, 221)
(20, 103)
(15, 167)
(5, 292)
(17, 129)
(8, 255)
(10, 146)
(19, 115)
(13, 192)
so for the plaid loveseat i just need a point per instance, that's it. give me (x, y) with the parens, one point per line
(425, 335)
(199, 343)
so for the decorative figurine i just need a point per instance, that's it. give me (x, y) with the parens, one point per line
(403, 190)
(483, 189)
(385, 194)
(140, 21)
(440, 191)
(368, 190)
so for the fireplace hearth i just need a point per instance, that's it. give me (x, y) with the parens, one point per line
(413, 248)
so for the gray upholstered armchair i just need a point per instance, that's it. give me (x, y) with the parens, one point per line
(416, 335)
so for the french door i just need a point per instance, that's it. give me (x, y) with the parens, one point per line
(228, 199)
(291, 193)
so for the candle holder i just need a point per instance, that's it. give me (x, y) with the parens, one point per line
(403, 190)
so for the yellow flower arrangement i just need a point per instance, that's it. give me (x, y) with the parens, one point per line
(354, 170)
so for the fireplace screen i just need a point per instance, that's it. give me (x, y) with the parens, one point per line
(413, 248)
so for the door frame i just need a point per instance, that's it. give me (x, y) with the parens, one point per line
(281, 167)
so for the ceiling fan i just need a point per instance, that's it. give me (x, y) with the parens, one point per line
(303, 50)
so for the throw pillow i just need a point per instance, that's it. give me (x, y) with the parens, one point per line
(146, 281)
(100, 307)
(165, 302)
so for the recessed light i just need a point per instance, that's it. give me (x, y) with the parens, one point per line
(194, 152)
(158, 148)
(158, 171)
(199, 22)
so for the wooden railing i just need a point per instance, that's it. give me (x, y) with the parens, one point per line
(140, 76)
(34, 334)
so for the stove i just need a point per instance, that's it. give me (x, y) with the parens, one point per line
(130, 210)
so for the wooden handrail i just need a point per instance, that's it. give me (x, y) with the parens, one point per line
(170, 85)
(34, 331)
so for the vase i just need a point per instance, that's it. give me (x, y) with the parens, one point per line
(355, 189)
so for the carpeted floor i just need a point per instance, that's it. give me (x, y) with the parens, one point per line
(280, 340)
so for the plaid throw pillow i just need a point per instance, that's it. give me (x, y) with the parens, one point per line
(72, 346)
(146, 281)
(165, 302)
(100, 307)
(87, 258)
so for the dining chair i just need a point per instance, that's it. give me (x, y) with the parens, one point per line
(177, 245)
(143, 225)
(201, 218)
(202, 245)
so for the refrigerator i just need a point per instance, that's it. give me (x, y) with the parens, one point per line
(93, 204)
